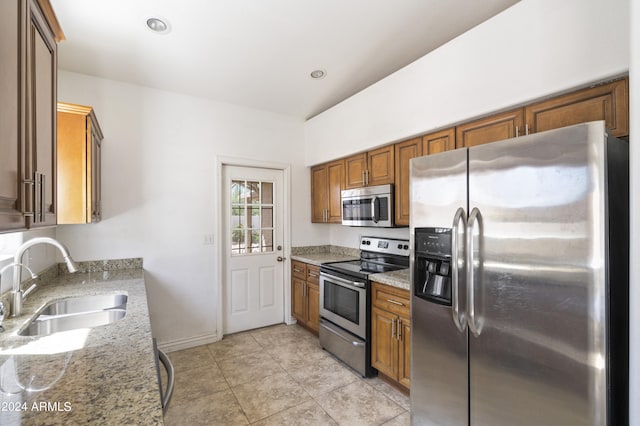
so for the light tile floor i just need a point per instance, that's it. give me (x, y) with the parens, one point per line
(276, 375)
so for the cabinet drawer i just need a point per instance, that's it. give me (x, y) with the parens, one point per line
(391, 299)
(313, 274)
(299, 269)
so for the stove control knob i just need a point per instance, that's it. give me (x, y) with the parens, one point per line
(406, 247)
(400, 246)
(367, 242)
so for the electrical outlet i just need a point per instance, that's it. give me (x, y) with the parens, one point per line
(208, 239)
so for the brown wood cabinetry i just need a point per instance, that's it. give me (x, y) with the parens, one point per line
(405, 151)
(608, 102)
(28, 83)
(375, 167)
(79, 155)
(441, 141)
(490, 129)
(432, 143)
(305, 294)
(391, 333)
(327, 183)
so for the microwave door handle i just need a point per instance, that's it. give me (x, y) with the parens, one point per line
(374, 216)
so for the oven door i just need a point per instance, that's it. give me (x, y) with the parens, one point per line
(344, 303)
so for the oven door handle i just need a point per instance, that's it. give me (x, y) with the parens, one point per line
(342, 336)
(342, 280)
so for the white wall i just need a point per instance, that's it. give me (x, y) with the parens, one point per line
(531, 50)
(159, 155)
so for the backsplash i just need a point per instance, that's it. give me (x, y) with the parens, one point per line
(103, 265)
(347, 251)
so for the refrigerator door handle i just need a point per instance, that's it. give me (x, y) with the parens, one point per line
(475, 216)
(458, 318)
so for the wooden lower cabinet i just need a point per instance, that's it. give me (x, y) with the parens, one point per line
(305, 295)
(391, 333)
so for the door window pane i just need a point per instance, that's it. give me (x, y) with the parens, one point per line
(252, 222)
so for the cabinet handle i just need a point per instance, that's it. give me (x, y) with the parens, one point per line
(526, 129)
(366, 175)
(395, 302)
(393, 328)
(297, 270)
(517, 132)
(313, 275)
(399, 332)
(363, 181)
(38, 197)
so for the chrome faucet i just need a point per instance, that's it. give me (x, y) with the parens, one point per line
(17, 296)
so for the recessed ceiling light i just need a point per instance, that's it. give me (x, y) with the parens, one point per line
(317, 74)
(158, 25)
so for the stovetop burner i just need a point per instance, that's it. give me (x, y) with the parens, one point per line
(377, 255)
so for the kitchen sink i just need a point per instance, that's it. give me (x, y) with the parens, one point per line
(83, 304)
(44, 326)
(77, 312)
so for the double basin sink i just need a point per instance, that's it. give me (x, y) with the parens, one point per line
(75, 313)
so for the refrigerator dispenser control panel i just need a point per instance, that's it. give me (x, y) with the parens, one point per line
(432, 266)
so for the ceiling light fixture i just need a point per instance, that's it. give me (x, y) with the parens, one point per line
(158, 25)
(318, 74)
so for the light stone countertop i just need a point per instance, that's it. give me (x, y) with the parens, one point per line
(317, 255)
(101, 375)
(399, 279)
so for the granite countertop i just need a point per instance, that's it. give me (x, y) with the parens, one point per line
(317, 255)
(399, 279)
(97, 375)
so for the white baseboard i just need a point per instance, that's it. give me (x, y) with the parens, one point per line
(187, 343)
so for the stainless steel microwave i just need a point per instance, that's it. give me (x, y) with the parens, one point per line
(368, 206)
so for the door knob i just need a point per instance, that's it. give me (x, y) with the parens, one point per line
(280, 258)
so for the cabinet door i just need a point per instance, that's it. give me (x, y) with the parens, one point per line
(404, 352)
(313, 307)
(405, 151)
(384, 346)
(41, 116)
(490, 129)
(12, 142)
(298, 299)
(381, 166)
(319, 193)
(442, 141)
(608, 102)
(335, 172)
(96, 178)
(354, 169)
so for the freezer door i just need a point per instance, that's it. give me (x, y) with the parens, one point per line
(537, 293)
(439, 379)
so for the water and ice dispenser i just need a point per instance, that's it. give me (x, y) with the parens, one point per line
(432, 264)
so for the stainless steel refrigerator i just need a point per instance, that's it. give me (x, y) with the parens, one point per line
(519, 271)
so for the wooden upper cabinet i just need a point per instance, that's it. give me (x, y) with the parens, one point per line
(380, 166)
(79, 155)
(327, 182)
(490, 129)
(42, 84)
(355, 167)
(405, 151)
(28, 84)
(12, 142)
(608, 102)
(441, 141)
(376, 167)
